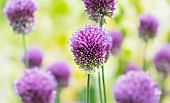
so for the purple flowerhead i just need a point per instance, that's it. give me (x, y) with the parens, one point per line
(148, 26)
(20, 15)
(132, 67)
(62, 72)
(97, 9)
(136, 87)
(36, 86)
(34, 56)
(88, 46)
(162, 60)
(116, 42)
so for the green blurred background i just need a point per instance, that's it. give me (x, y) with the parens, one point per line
(56, 20)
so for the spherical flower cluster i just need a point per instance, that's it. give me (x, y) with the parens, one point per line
(136, 87)
(97, 9)
(88, 46)
(148, 26)
(20, 15)
(61, 71)
(132, 67)
(36, 86)
(116, 42)
(34, 56)
(162, 60)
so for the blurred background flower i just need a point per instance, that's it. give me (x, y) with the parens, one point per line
(56, 20)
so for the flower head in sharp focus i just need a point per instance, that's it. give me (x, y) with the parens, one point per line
(62, 72)
(36, 86)
(20, 14)
(88, 46)
(34, 56)
(148, 26)
(162, 60)
(97, 9)
(136, 87)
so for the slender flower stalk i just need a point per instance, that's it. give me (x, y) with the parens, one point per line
(25, 52)
(100, 90)
(103, 77)
(57, 97)
(104, 88)
(144, 57)
(88, 89)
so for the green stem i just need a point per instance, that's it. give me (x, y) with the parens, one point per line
(93, 90)
(104, 88)
(100, 91)
(144, 57)
(161, 85)
(88, 89)
(57, 99)
(25, 51)
(103, 77)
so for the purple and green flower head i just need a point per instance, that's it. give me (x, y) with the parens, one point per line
(61, 71)
(36, 86)
(34, 56)
(148, 26)
(88, 46)
(20, 14)
(136, 87)
(97, 9)
(161, 60)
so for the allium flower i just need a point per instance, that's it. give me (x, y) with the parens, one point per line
(88, 46)
(61, 71)
(97, 9)
(34, 56)
(132, 67)
(136, 87)
(116, 42)
(20, 15)
(36, 86)
(162, 60)
(148, 26)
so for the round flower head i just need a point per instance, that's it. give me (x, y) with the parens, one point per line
(132, 67)
(162, 60)
(36, 86)
(34, 56)
(116, 42)
(97, 9)
(61, 71)
(20, 15)
(148, 26)
(88, 46)
(136, 87)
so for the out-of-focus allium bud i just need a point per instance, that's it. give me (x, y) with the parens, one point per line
(20, 15)
(136, 87)
(62, 72)
(88, 46)
(97, 9)
(116, 42)
(148, 26)
(162, 60)
(132, 67)
(36, 86)
(34, 56)
(109, 46)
